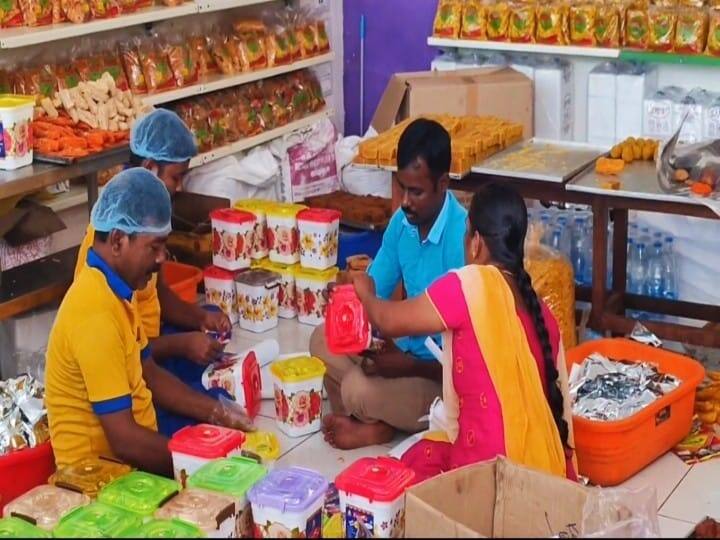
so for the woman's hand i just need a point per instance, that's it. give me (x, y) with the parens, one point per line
(364, 286)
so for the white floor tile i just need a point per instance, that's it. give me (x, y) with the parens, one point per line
(287, 444)
(664, 475)
(291, 335)
(697, 496)
(673, 528)
(319, 456)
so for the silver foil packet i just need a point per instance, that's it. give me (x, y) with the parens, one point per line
(23, 417)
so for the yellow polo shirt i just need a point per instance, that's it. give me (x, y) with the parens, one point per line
(148, 302)
(94, 363)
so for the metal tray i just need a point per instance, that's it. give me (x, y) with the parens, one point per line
(59, 160)
(557, 161)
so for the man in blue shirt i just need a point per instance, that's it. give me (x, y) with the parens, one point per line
(379, 392)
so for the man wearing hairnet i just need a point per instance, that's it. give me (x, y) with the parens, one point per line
(101, 378)
(162, 143)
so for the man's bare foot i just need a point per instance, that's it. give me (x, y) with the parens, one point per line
(346, 433)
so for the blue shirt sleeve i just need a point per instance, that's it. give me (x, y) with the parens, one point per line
(385, 269)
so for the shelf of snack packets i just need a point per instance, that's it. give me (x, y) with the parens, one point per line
(685, 27)
(474, 138)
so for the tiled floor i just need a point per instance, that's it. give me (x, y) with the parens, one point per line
(685, 494)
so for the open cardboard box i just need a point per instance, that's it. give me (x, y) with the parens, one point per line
(501, 92)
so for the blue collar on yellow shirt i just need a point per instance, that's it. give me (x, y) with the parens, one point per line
(116, 283)
(438, 228)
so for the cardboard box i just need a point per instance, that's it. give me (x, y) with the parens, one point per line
(501, 92)
(190, 241)
(494, 499)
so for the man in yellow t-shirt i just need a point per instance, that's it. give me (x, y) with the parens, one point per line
(162, 143)
(101, 380)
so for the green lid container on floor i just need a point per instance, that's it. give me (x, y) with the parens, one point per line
(13, 527)
(139, 492)
(164, 528)
(96, 520)
(233, 476)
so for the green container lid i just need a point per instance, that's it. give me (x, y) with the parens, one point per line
(96, 520)
(13, 527)
(139, 492)
(233, 476)
(164, 528)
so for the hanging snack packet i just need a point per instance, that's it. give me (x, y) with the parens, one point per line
(607, 25)
(37, 12)
(661, 23)
(183, 63)
(278, 49)
(75, 11)
(11, 15)
(474, 20)
(582, 24)
(637, 28)
(448, 19)
(156, 67)
(691, 31)
(521, 28)
(713, 39)
(498, 20)
(551, 25)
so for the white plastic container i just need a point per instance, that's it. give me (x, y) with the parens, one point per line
(601, 104)
(298, 390)
(319, 235)
(287, 301)
(258, 208)
(239, 375)
(220, 291)
(372, 497)
(16, 114)
(213, 513)
(634, 83)
(288, 503)
(233, 232)
(311, 294)
(257, 298)
(283, 238)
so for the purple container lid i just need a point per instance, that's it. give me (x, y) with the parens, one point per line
(289, 490)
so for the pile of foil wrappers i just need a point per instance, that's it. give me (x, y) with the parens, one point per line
(609, 390)
(23, 418)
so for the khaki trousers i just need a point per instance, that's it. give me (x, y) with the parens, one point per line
(397, 402)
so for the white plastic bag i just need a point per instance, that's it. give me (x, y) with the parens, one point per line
(360, 180)
(621, 513)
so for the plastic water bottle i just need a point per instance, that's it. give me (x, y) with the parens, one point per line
(655, 280)
(638, 268)
(578, 252)
(559, 240)
(670, 269)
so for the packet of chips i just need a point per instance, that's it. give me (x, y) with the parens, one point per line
(551, 23)
(448, 19)
(607, 25)
(474, 20)
(713, 40)
(637, 28)
(581, 22)
(661, 24)
(521, 28)
(691, 31)
(37, 12)
(498, 21)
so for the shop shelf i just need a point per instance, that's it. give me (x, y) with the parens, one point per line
(537, 48)
(217, 5)
(669, 58)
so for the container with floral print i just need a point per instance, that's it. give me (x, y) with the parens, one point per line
(257, 299)
(258, 208)
(319, 233)
(283, 238)
(298, 390)
(287, 302)
(16, 113)
(239, 375)
(311, 290)
(220, 291)
(232, 238)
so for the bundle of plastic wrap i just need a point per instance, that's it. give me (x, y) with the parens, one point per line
(23, 418)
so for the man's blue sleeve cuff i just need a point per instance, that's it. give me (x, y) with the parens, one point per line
(146, 353)
(110, 406)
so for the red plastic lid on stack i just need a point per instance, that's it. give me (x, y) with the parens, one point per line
(214, 272)
(347, 328)
(381, 479)
(231, 215)
(252, 384)
(206, 441)
(319, 215)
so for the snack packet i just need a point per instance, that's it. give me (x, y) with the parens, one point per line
(76, 11)
(521, 28)
(128, 6)
(637, 28)
(661, 24)
(133, 68)
(37, 12)
(307, 36)
(104, 9)
(498, 20)
(223, 57)
(11, 15)
(278, 49)
(322, 41)
(156, 67)
(713, 40)
(205, 61)
(551, 25)
(294, 44)
(448, 19)
(474, 20)
(248, 119)
(691, 31)
(607, 25)
(184, 63)
(112, 64)
(253, 47)
(218, 120)
(582, 19)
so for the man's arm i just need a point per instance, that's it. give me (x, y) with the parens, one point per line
(196, 346)
(177, 312)
(135, 445)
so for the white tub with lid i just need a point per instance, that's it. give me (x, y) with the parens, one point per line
(258, 208)
(233, 232)
(319, 235)
(298, 391)
(257, 298)
(311, 287)
(16, 113)
(283, 238)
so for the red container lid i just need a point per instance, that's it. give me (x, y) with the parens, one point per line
(232, 215)
(319, 215)
(347, 328)
(252, 384)
(213, 272)
(381, 479)
(206, 441)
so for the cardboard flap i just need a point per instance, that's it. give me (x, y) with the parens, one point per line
(9, 220)
(191, 211)
(390, 102)
(37, 222)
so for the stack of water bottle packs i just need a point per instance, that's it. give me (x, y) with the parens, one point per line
(218, 492)
(272, 260)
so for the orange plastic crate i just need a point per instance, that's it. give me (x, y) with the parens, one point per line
(609, 453)
(183, 279)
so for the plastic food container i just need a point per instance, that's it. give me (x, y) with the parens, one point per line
(165, 528)
(182, 279)
(232, 238)
(234, 477)
(288, 503)
(238, 376)
(347, 329)
(97, 520)
(319, 231)
(263, 446)
(258, 208)
(16, 114)
(257, 299)
(22, 470)
(287, 305)
(220, 291)
(193, 446)
(45, 505)
(213, 513)
(89, 475)
(12, 527)
(283, 237)
(372, 497)
(609, 453)
(310, 292)
(298, 386)
(139, 492)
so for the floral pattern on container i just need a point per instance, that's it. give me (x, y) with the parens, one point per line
(300, 409)
(259, 243)
(16, 139)
(231, 246)
(311, 302)
(258, 309)
(278, 530)
(226, 300)
(319, 245)
(286, 295)
(283, 241)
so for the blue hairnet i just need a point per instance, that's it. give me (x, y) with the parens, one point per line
(162, 136)
(135, 201)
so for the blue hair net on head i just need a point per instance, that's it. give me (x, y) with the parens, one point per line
(135, 201)
(162, 136)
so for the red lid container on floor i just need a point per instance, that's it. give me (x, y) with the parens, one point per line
(347, 328)
(206, 441)
(381, 479)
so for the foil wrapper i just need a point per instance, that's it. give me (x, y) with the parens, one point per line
(642, 335)
(609, 390)
(23, 417)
